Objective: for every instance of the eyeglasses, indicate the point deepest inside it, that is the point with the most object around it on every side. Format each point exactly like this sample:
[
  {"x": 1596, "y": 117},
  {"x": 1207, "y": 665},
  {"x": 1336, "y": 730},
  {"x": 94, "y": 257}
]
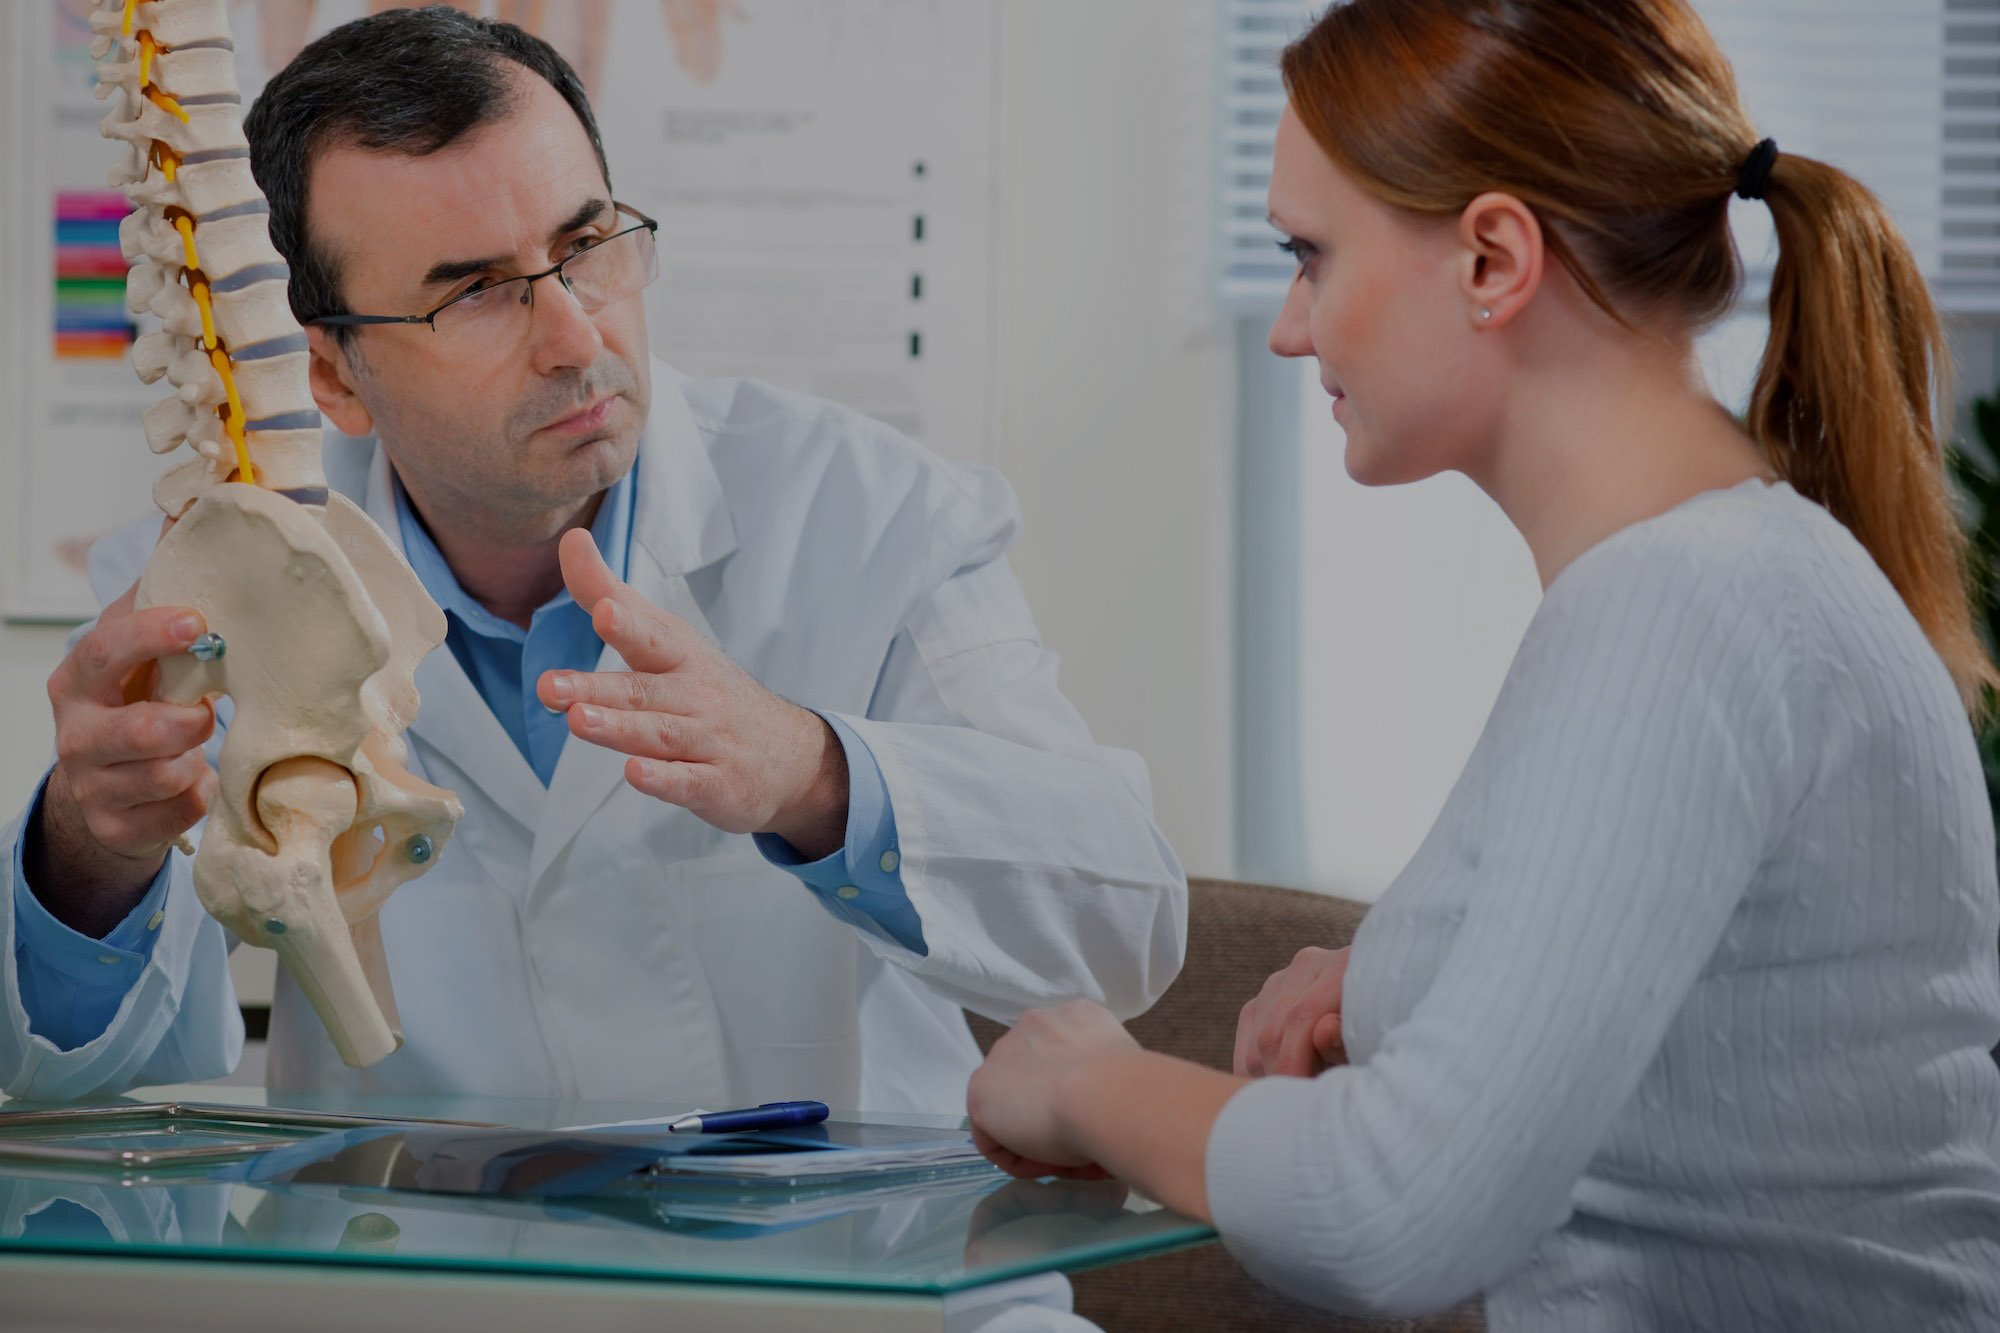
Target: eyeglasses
[{"x": 496, "y": 316}]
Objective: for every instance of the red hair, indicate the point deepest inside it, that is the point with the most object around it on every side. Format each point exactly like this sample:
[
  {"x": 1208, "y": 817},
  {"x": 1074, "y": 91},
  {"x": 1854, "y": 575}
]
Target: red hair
[{"x": 1618, "y": 123}]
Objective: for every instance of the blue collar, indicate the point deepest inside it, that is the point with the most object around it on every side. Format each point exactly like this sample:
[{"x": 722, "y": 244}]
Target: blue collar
[{"x": 612, "y": 531}]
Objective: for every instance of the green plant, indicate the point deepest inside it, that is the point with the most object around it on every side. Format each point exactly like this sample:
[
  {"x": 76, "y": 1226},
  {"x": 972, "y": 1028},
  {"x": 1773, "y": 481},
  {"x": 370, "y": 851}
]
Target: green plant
[{"x": 1977, "y": 472}]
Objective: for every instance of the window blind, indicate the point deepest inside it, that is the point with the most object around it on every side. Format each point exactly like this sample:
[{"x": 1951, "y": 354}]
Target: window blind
[
  {"x": 1968, "y": 280},
  {"x": 1854, "y": 83},
  {"x": 1252, "y": 272},
  {"x": 1902, "y": 94}
]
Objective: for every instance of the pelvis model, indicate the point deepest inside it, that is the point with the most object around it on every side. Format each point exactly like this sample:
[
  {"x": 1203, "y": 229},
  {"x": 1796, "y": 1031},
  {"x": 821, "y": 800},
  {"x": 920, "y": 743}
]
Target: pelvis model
[{"x": 315, "y": 622}]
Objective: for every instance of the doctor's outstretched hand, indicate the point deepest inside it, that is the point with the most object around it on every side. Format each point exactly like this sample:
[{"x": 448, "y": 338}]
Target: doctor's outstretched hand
[{"x": 702, "y": 733}]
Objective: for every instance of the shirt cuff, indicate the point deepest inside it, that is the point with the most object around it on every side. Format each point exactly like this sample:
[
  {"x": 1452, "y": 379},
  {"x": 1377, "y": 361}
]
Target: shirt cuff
[
  {"x": 70, "y": 984},
  {"x": 862, "y": 883}
]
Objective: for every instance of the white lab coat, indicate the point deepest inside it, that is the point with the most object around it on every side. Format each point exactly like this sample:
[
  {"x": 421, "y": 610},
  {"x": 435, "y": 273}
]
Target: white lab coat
[{"x": 586, "y": 940}]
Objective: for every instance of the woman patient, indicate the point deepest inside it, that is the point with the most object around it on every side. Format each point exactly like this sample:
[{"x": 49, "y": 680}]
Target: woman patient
[{"x": 1680, "y": 1016}]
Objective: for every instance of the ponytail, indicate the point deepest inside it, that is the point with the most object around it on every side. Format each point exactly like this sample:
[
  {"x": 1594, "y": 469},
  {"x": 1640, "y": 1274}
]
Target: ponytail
[
  {"x": 1618, "y": 122},
  {"x": 1843, "y": 405}
]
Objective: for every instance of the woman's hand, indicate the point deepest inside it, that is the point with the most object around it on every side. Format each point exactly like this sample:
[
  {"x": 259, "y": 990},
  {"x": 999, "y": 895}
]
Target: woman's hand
[
  {"x": 1292, "y": 1027},
  {"x": 1015, "y": 1097}
]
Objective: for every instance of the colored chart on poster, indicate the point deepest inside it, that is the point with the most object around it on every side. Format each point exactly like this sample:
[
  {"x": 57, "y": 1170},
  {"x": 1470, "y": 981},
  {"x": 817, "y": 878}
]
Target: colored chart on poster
[{"x": 90, "y": 275}]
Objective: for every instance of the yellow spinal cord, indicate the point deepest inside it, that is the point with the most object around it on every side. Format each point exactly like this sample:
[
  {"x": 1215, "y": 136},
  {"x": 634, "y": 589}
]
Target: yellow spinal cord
[
  {"x": 202, "y": 257},
  {"x": 231, "y": 410}
]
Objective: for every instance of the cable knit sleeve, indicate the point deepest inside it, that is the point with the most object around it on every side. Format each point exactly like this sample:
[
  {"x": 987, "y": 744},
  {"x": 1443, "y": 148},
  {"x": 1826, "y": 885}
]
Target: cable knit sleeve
[{"x": 1641, "y": 760}]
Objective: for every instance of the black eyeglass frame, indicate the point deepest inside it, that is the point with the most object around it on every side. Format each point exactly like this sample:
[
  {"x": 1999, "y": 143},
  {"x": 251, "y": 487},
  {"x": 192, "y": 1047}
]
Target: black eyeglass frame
[{"x": 528, "y": 280}]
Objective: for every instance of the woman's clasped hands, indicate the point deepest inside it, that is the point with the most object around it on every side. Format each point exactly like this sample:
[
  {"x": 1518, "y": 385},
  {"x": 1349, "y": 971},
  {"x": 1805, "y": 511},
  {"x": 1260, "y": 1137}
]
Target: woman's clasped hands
[{"x": 1292, "y": 1026}]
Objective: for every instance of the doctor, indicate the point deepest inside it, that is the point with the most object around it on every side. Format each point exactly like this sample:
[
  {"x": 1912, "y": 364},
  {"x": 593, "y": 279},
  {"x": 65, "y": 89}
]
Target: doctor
[{"x": 681, "y": 612}]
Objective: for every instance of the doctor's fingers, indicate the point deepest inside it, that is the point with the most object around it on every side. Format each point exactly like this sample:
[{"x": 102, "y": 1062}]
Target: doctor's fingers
[
  {"x": 647, "y": 691},
  {"x": 648, "y": 638},
  {"x": 699, "y": 789},
  {"x": 91, "y": 735},
  {"x": 96, "y": 668},
  {"x": 584, "y": 572},
  {"x": 642, "y": 733},
  {"x": 142, "y": 829},
  {"x": 142, "y": 783}
]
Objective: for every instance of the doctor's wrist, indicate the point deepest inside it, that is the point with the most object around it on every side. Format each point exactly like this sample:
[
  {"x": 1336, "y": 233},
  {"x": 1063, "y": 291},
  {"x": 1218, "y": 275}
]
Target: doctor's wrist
[
  {"x": 79, "y": 881},
  {"x": 814, "y": 821}
]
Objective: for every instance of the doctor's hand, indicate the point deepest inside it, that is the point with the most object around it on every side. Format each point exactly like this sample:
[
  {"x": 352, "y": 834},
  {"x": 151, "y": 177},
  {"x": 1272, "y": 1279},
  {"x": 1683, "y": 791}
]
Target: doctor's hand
[
  {"x": 1292, "y": 1027},
  {"x": 1015, "y": 1098},
  {"x": 129, "y": 775},
  {"x": 702, "y": 733}
]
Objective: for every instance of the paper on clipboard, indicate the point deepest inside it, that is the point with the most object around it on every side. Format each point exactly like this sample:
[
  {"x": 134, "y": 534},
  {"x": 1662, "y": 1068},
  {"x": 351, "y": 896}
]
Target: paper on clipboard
[{"x": 842, "y": 1148}]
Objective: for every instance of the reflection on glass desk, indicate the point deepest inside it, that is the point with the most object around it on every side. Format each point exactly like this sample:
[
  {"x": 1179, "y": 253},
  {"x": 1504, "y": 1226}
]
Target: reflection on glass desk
[
  {"x": 158, "y": 1136},
  {"x": 934, "y": 1237}
]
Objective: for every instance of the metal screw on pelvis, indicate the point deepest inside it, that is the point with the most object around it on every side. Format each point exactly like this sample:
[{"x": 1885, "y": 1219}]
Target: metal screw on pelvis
[
  {"x": 419, "y": 849},
  {"x": 208, "y": 648}
]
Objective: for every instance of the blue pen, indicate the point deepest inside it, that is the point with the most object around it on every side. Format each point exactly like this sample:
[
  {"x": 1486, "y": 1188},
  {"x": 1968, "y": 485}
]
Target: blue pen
[{"x": 771, "y": 1115}]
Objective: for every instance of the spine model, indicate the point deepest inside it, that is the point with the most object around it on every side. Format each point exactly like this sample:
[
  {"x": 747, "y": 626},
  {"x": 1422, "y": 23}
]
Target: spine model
[
  {"x": 199, "y": 244},
  {"x": 316, "y": 623}
]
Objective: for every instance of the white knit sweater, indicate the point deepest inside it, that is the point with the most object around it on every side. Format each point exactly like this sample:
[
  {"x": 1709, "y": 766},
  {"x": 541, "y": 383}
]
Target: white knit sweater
[{"x": 1680, "y": 1016}]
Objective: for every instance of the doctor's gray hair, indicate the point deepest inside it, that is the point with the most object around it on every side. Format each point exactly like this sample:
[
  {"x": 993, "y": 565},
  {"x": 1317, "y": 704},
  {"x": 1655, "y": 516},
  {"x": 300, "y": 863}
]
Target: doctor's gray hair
[{"x": 410, "y": 81}]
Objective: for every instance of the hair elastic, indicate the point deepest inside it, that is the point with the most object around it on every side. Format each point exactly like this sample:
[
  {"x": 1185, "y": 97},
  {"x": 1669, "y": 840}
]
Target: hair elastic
[{"x": 1755, "y": 177}]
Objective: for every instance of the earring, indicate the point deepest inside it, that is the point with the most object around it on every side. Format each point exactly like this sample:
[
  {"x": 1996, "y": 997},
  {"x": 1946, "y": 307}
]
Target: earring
[{"x": 1485, "y": 312}]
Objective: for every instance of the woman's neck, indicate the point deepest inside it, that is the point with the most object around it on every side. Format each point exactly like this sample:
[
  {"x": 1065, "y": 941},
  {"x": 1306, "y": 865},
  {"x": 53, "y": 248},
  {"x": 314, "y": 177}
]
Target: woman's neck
[{"x": 1610, "y": 435}]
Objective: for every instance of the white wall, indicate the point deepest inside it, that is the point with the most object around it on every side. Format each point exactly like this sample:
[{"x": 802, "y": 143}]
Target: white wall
[
  {"x": 27, "y": 654},
  {"x": 1113, "y": 404},
  {"x": 1115, "y": 388},
  {"x": 1414, "y": 600}
]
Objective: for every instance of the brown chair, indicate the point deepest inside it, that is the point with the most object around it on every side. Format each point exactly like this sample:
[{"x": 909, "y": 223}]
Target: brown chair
[{"x": 1238, "y": 934}]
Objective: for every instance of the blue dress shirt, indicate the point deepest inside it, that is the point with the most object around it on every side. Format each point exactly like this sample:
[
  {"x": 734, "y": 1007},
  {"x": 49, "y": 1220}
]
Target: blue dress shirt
[
  {"x": 504, "y": 661},
  {"x": 71, "y": 985}
]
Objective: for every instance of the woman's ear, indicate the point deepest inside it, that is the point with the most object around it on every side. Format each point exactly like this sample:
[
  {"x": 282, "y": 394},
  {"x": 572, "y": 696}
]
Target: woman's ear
[
  {"x": 1503, "y": 254},
  {"x": 332, "y": 376}
]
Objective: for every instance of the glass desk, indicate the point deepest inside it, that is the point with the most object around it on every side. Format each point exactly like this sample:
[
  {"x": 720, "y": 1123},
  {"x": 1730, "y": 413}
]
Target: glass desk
[{"x": 98, "y": 1247}]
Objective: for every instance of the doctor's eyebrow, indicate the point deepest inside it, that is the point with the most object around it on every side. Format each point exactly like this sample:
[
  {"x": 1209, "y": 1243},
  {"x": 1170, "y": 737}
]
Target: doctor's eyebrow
[
  {"x": 451, "y": 270},
  {"x": 588, "y": 212}
]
